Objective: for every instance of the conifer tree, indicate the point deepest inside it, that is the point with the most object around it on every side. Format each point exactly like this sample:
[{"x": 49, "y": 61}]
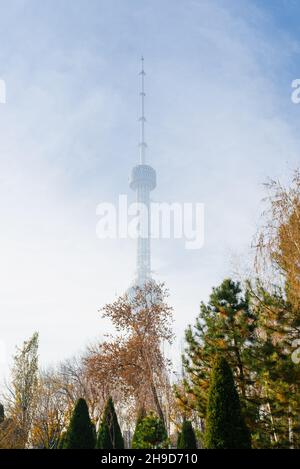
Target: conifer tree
[
  {"x": 150, "y": 433},
  {"x": 187, "y": 438},
  {"x": 109, "y": 435},
  {"x": 80, "y": 433},
  {"x": 225, "y": 425},
  {"x": 226, "y": 325},
  {"x": 278, "y": 374}
]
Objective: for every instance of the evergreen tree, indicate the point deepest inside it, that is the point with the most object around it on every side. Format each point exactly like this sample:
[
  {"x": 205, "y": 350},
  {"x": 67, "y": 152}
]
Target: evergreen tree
[
  {"x": 278, "y": 375},
  {"x": 109, "y": 435},
  {"x": 226, "y": 325},
  {"x": 150, "y": 433},
  {"x": 80, "y": 434},
  {"x": 187, "y": 438},
  {"x": 225, "y": 425}
]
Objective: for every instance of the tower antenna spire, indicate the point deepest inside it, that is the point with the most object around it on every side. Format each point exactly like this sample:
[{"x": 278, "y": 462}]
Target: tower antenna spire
[
  {"x": 142, "y": 118},
  {"x": 143, "y": 181}
]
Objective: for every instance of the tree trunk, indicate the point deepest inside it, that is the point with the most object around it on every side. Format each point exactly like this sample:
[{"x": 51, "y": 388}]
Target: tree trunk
[{"x": 157, "y": 403}]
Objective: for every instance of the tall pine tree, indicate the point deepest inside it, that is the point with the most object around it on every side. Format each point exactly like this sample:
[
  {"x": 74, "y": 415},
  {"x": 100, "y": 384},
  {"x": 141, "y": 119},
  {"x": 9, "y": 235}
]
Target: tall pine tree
[
  {"x": 109, "y": 435},
  {"x": 226, "y": 325},
  {"x": 225, "y": 425},
  {"x": 187, "y": 438},
  {"x": 278, "y": 375},
  {"x": 80, "y": 433}
]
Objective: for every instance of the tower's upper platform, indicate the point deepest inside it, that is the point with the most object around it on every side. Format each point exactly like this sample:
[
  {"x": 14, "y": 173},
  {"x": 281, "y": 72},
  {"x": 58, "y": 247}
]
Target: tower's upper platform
[{"x": 143, "y": 175}]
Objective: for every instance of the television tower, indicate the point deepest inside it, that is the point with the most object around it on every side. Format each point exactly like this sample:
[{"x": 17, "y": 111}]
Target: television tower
[{"x": 143, "y": 181}]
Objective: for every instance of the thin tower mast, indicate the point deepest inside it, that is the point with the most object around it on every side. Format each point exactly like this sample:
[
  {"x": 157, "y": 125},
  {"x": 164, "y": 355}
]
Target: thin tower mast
[{"x": 143, "y": 181}]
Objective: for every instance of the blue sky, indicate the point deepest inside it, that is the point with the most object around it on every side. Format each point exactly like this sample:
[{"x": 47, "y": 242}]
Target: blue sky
[{"x": 220, "y": 122}]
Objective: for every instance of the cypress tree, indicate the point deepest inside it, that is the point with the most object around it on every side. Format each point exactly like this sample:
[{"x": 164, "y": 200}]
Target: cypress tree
[
  {"x": 80, "y": 434},
  {"x": 187, "y": 438},
  {"x": 109, "y": 435},
  {"x": 225, "y": 425}
]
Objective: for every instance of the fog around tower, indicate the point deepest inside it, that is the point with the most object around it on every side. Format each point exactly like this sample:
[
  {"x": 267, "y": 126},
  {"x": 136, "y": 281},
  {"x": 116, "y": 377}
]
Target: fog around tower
[{"x": 220, "y": 121}]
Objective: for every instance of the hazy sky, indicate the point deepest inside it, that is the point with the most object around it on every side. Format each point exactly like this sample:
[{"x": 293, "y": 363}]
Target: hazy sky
[{"x": 220, "y": 122}]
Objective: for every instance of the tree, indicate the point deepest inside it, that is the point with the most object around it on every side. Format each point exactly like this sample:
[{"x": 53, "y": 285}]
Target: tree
[
  {"x": 52, "y": 412},
  {"x": 150, "y": 433},
  {"x": 133, "y": 361},
  {"x": 73, "y": 383},
  {"x": 80, "y": 433},
  {"x": 278, "y": 240},
  {"x": 226, "y": 325},
  {"x": 62, "y": 441},
  {"x": 276, "y": 296},
  {"x": 187, "y": 438},
  {"x": 22, "y": 393},
  {"x": 141, "y": 414},
  {"x": 58, "y": 390},
  {"x": 109, "y": 435},
  {"x": 225, "y": 425},
  {"x": 11, "y": 436}
]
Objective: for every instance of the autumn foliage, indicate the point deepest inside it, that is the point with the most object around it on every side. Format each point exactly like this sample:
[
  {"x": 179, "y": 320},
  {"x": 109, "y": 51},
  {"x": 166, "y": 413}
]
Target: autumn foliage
[{"x": 132, "y": 360}]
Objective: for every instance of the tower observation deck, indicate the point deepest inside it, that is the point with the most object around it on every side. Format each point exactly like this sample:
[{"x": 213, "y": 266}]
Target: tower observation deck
[{"x": 143, "y": 181}]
